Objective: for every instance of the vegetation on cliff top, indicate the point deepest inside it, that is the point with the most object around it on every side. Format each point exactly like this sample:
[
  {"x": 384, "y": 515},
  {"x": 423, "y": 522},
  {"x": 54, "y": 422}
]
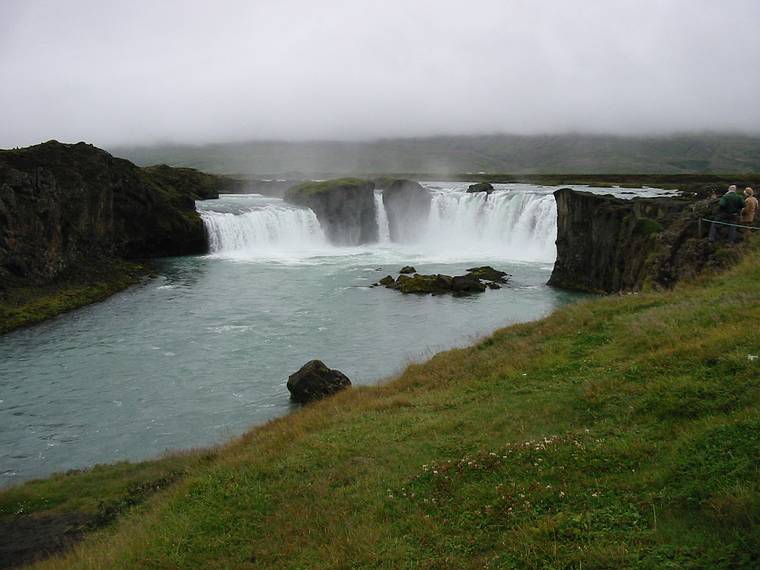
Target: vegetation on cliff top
[
  {"x": 615, "y": 433},
  {"x": 308, "y": 189},
  {"x": 190, "y": 182}
]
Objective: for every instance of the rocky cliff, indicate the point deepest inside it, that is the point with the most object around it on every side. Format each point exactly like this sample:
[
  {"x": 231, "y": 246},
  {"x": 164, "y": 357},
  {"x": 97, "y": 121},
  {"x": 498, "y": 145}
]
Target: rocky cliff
[
  {"x": 62, "y": 205},
  {"x": 345, "y": 208},
  {"x": 407, "y": 204},
  {"x": 606, "y": 244}
]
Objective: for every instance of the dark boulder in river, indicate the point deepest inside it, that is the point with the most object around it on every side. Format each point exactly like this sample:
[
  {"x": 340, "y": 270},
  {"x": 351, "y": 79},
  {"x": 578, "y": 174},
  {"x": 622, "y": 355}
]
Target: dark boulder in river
[
  {"x": 480, "y": 187},
  {"x": 465, "y": 284},
  {"x": 407, "y": 269},
  {"x": 345, "y": 208},
  {"x": 314, "y": 381},
  {"x": 407, "y": 204}
]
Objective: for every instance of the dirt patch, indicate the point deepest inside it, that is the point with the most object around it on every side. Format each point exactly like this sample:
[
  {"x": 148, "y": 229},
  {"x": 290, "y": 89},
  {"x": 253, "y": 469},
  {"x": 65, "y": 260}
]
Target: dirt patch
[{"x": 26, "y": 539}]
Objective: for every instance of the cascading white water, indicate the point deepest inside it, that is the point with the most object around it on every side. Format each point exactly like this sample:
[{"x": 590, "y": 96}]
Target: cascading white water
[
  {"x": 383, "y": 229},
  {"x": 509, "y": 224},
  {"x": 267, "y": 230},
  {"x": 513, "y": 225}
]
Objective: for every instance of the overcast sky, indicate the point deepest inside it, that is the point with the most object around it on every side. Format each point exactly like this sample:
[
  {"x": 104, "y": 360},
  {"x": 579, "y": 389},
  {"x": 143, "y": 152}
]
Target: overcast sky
[{"x": 146, "y": 71}]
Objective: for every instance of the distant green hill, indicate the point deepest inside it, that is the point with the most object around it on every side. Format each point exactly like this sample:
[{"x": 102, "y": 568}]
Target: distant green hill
[{"x": 708, "y": 153}]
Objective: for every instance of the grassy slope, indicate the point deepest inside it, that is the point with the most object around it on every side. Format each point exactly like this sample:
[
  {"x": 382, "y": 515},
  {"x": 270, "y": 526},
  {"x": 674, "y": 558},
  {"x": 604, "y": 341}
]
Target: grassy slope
[
  {"x": 620, "y": 432},
  {"x": 25, "y": 304}
]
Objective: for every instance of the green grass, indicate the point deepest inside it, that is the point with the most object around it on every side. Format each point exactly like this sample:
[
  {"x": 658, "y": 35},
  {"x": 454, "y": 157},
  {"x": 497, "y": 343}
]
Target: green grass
[
  {"x": 616, "y": 433},
  {"x": 99, "y": 490},
  {"x": 25, "y": 304}
]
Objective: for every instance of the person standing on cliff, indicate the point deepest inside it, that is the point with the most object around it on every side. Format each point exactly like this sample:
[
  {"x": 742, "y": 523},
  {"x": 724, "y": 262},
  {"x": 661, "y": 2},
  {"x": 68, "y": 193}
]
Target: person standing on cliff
[
  {"x": 731, "y": 203},
  {"x": 748, "y": 213}
]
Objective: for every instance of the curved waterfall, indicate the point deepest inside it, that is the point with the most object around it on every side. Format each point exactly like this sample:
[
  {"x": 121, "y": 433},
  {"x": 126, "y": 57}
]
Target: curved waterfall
[
  {"x": 267, "y": 229},
  {"x": 511, "y": 224},
  {"x": 515, "y": 225}
]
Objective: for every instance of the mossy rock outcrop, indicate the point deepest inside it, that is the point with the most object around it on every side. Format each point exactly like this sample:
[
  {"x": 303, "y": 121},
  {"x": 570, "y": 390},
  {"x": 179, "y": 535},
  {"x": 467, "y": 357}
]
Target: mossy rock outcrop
[
  {"x": 194, "y": 183},
  {"x": 488, "y": 273},
  {"x": 345, "y": 208},
  {"x": 437, "y": 284},
  {"x": 407, "y": 205},
  {"x": 423, "y": 284}
]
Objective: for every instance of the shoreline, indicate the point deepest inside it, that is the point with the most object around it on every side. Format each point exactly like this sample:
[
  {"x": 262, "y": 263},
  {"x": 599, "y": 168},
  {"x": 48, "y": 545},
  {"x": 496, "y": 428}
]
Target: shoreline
[{"x": 25, "y": 305}]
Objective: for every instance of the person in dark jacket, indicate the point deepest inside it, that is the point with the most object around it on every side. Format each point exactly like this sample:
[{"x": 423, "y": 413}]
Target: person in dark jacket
[{"x": 730, "y": 205}]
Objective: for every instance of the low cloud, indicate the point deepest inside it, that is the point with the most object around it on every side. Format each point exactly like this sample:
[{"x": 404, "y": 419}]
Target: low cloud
[{"x": 193, "y": 71}]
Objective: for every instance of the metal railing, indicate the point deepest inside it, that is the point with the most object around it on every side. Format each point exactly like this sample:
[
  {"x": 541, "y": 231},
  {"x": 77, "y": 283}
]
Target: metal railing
[{"x": 718, "y": 222}]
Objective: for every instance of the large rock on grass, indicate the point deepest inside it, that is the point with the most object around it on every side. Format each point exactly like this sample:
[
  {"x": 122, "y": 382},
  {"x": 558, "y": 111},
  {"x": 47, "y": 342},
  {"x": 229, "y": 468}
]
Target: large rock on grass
[{"x": 314, "y": 381}]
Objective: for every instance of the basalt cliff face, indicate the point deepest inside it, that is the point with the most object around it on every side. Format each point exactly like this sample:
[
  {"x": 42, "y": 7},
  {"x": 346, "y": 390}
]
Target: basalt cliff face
[
  {"x": 345, "y": 208},
  {"x": 406, "y": 203},
  {"x": 606, "y": 244},
  {"x": 62, "y": 205}
]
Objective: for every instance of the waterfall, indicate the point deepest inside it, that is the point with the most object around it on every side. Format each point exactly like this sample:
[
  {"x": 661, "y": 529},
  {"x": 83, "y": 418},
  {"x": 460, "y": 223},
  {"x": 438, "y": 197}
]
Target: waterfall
[
  {"x": 515, "y": 225},
  {"x": 383, "y": 229},
  {"x": 267, "y": 230}
]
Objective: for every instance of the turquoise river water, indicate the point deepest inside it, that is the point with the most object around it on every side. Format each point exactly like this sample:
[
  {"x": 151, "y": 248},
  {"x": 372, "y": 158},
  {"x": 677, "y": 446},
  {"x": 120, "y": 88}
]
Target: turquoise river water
[{"x": 202, "y": 352}]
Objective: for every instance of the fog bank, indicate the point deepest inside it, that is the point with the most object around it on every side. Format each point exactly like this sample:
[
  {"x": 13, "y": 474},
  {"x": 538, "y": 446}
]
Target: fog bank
[{"x": 195, "y": 72}]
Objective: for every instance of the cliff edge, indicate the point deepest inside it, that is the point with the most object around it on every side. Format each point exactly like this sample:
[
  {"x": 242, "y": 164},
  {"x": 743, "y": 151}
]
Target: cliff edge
[
  {"x": 606, "y": 244},
  {"x": 63, "y": 205},
  {"x": 345, "y": 208}
]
